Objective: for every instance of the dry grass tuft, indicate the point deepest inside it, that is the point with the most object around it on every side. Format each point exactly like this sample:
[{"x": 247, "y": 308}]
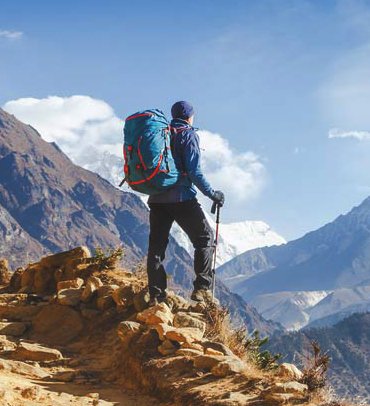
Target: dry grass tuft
[
  {"x": 244, "y": 345},
  {"x": 316, "y": 368}
]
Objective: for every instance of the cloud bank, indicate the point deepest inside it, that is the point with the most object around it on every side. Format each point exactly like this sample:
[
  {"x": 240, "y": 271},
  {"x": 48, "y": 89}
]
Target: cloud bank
[
  {"x": 11, "y": 34},
  {"x": 89, "y": 132},
  {"x": 358, "y": 135}
]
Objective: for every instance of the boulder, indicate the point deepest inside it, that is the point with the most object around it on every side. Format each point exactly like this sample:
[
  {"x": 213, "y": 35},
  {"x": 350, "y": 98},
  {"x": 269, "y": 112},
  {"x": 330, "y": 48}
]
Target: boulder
[
  {"x": 207, "y": 362},
  {"x": 188, "y": 352},
  {"x": 69, "y": 297},
  {"x": 21, "y": 368},
  {"x": 43, "y": 280},
  {"x": 92, "y": 285},
  {"x": 15, "y": 281},
  {"x": 106, "y": 290},
  {"x": 141, "y": 300},
  {"x": 183, "y": 319},
  {"x": 124, "y": 296},
  {"x": 185, "y": 334},
  {"x": 161, "y": 329},
  {"x": 19, "y": 313},
  {"x": 160, "y": 313},
  {"x": 104, "y": 303},
  {"x": 14, "y": 328},
  {"x": 89, "y": 314},
  {"x": 289, "y": 371},
  {"x": 167, "y": 348},
  {"x": 4, "y": 272},
  {"x": 193, "y": 346},
  {"x": 228, "y": 366},
  {"x": 35, "y": 352},
  {"x": 127, "y": 330},
  {"x": 61, "y": 259},
  {"x": 293, "y": 387},
  {"x": 71, "y": 283},
  {"x": 57, "y": 324},
  {"x": 218, "y": 347},
  {"x": 211, "y": 351}
]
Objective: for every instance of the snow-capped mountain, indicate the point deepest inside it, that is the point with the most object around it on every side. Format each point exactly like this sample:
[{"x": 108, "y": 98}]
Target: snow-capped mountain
[
  {"x": 234, "y": 238},
  {"x": 315, "y": 280},
  {"x": 291, "y": 309}
]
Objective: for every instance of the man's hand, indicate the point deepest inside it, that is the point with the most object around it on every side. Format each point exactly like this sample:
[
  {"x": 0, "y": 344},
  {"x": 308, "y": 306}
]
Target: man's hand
[{"x": 219, "y": 198}]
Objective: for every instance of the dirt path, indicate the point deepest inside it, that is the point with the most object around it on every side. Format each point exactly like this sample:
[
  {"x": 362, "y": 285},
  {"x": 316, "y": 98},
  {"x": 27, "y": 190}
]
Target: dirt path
[{"x": 17, "y": 390}]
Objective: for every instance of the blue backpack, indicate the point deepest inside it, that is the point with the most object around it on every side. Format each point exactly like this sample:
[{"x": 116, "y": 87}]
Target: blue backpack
[{"x": 149, "y": 165}]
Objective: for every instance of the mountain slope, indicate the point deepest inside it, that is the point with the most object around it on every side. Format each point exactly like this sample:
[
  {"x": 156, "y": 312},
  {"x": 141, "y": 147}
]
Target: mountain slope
[
  {"x": 336, "y": 255},
  {"x": 347, "y": 343},
  {"x": 48, "y": 204}
]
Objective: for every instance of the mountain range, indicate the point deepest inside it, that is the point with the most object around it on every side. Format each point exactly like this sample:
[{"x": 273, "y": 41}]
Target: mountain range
[
  {"x": 324, "y": 274},
  {"x": 49, "y": 204},
  {"x": 348, "y": 345}
]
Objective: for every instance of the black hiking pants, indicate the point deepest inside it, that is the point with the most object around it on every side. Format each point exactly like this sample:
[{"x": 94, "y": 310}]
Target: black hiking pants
[{"x": 190, "y": 217}]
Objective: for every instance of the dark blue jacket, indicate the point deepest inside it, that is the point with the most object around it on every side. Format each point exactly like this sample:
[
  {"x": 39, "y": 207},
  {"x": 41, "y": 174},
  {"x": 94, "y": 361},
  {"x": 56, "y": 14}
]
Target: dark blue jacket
[{"x": 186, "y": 152}]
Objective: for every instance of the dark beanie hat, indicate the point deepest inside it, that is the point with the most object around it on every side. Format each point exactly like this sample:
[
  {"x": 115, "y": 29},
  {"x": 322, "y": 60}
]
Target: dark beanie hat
[{"x": 182, "y": 109}]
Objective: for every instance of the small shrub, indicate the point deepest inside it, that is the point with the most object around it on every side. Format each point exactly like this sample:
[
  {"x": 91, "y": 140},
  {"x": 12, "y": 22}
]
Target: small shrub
[
  {"x": 316, "y": 368},
  {"x": 107, "y": 259},
  {"x": 264, "y": 359}
]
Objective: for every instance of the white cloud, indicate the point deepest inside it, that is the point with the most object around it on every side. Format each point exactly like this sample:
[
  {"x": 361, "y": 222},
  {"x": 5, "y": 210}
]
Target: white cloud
[
  {"x": 358, "y": 135},
  {"x": 240, "y": 174},
  {"x": 11, "y": 34},
  {"x": 77, "y": 123},
  {"x": 90, "y": 133}
]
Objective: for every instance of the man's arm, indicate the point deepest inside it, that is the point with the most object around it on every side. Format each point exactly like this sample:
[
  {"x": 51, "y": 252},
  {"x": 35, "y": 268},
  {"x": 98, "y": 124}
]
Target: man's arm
[{"x": 192, "y": 165}]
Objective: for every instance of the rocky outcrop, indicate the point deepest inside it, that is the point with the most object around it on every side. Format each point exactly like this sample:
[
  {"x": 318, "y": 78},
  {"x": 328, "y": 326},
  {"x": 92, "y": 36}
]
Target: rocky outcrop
[{"x": 164, "y": 350}]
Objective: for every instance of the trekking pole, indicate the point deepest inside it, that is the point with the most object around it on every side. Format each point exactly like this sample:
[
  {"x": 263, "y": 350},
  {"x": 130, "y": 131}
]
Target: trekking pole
[{"x": 215, "y": 208}]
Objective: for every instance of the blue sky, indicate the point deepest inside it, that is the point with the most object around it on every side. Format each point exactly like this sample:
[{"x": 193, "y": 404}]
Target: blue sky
[{"x": 272, "y": 77}]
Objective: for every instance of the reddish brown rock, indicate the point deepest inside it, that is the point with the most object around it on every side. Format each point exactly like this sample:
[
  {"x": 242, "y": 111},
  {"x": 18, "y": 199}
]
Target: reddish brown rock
[
  {"x": 57, "y": 324},
  {"x": 71, "y": 283},
  {"x": 35, "y": 352}
]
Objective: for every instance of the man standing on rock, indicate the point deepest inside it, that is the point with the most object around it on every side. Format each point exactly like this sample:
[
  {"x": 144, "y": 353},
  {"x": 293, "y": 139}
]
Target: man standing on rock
[{"x": 179, "y": 204}]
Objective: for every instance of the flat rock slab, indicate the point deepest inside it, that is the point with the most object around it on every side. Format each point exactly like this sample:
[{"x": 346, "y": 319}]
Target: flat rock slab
[
  {"x": 15, "y": 329},
  {"x": 21, "y": 368},
  {"x": 57, "y": 324},
  {"x": 207, "y": 362},
  {"x": 19, "y": 313},
  {"x": 35, "y": 352}
]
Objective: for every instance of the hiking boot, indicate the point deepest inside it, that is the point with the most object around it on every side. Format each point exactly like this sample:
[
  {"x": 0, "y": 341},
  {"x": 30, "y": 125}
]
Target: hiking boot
[{"x": 202, "y": 295}]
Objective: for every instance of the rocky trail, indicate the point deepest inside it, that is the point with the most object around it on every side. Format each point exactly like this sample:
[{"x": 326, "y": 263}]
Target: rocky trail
[{"x": 76, "y": 329}]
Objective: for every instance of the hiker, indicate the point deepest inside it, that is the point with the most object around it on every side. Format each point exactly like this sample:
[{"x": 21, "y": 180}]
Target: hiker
[{"x": 179, "y": 204}]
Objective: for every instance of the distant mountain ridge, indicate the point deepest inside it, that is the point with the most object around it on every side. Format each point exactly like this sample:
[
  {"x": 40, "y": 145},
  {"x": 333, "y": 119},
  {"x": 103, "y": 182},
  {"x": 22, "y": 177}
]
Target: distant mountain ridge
[
  {"x": 336, "y": 256},
  {"x": 48, "y": 204},
  {"x": 347, "y": 344}
]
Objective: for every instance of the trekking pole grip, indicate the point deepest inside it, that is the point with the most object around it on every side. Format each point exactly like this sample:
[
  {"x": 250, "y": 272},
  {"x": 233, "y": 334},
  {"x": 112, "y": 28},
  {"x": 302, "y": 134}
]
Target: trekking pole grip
[
  {"x": 214, "y": 206},
  {"x": 218, "y": 214}
]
